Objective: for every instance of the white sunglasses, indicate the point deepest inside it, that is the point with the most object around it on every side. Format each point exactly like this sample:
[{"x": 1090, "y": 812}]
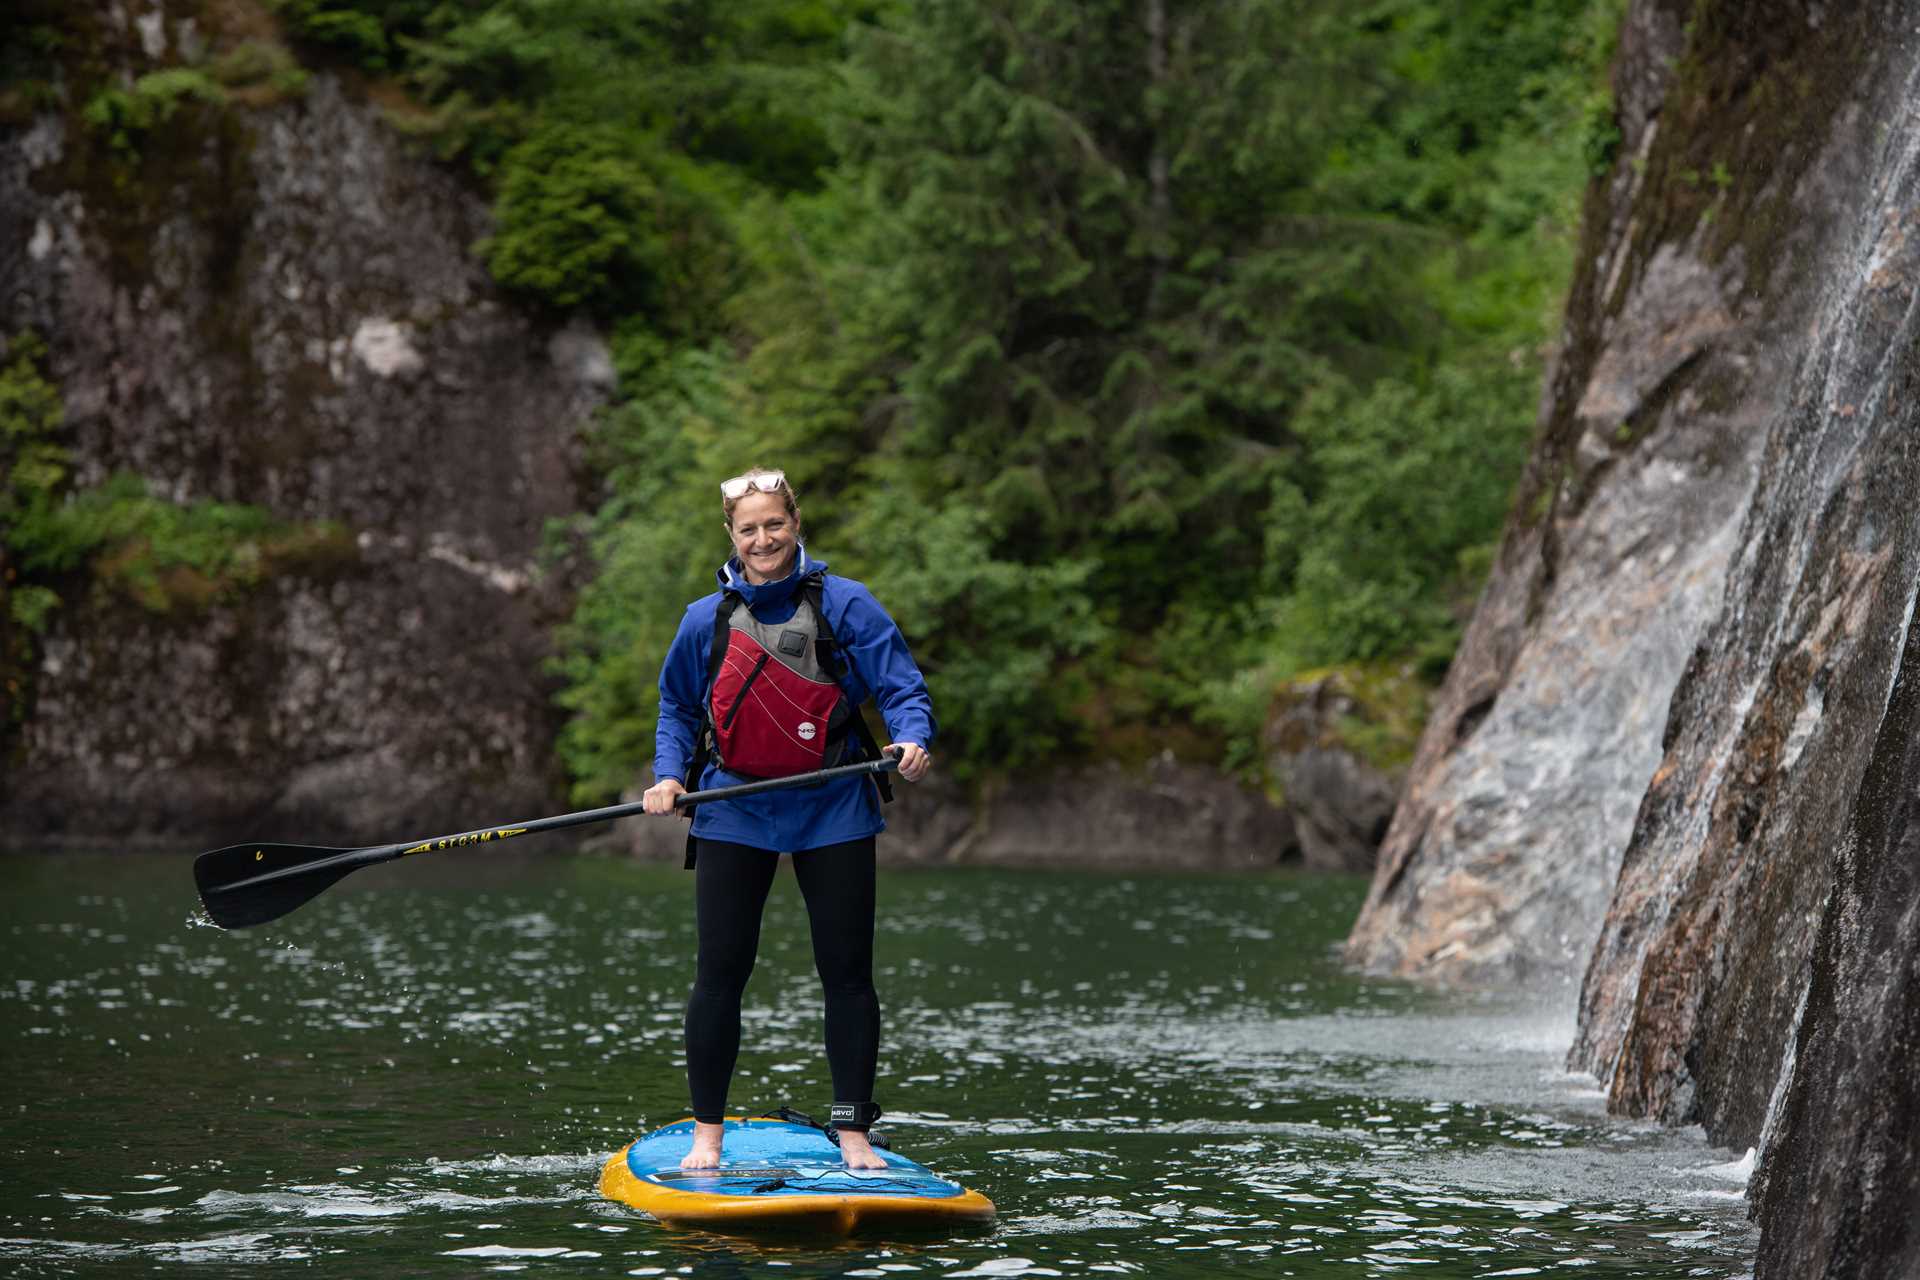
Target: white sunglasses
[{"x": 765, "y": 482}]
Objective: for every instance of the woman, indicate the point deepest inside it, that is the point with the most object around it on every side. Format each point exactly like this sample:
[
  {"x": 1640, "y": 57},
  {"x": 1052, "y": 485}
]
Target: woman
[{"x": 765, "y": 675}]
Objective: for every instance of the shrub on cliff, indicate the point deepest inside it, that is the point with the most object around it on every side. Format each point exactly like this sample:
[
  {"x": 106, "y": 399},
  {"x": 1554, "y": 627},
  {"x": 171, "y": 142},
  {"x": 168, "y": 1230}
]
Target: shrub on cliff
[
  {"x": 591, "y": 218},
  {"x": 117, "y": 536},
  {"x": 352, "y": 29},
  {"x": 127, "y": 116},
  {"x": 167, "y": 555}
]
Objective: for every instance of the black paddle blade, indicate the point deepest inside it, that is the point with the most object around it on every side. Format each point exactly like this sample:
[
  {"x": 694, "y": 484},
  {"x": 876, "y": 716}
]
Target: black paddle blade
[{"x": 222, "y": 876}]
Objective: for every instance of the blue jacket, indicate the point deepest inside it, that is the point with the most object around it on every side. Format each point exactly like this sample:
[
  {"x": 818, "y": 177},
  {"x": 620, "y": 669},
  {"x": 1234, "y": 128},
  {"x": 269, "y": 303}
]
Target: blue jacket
[{"x": 878, "y": 666}]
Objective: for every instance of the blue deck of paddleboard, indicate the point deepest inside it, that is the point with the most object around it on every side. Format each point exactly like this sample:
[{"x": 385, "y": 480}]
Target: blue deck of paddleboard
[{"x": 775, "y": 1158}]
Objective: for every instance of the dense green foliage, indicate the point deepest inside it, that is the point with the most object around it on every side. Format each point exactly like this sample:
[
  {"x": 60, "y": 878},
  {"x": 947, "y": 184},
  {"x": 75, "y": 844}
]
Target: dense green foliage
[
  {"x": 1140, "y": 355},
  {"x": 1134, "y": 376},
  {"x": 1136, "y": 371}
]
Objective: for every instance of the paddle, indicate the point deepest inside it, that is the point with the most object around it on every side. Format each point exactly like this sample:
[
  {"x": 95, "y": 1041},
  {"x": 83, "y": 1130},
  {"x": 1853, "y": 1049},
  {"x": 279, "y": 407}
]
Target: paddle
[{"x": 248, "y": 884}]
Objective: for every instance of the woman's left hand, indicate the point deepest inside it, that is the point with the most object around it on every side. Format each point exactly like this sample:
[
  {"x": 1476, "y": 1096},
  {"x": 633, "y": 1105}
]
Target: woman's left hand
[{"x": 915, "y": 760}]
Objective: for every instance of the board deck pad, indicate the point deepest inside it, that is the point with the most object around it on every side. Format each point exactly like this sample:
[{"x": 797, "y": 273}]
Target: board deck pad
[{"x": 775, "y": 1173}]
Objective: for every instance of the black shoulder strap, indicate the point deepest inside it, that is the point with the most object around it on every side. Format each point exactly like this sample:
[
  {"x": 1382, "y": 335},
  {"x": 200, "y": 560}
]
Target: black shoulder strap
[
  {"x": 722, "y": 633},
  {"x": 703, "y": 740},
  {"x": 827, "y": 646}
]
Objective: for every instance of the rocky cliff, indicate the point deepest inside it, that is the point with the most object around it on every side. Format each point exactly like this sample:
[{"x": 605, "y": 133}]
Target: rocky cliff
[
  {"x": 1507, "y": 841},
  {"x": 1838, "y": 1199},
  {"x": 276, "y": 304},
  {"x": 1677, "y": 750}
]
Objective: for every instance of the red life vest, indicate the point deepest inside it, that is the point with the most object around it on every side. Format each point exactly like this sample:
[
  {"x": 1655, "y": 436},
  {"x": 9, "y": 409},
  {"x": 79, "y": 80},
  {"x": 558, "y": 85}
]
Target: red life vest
[
  {"x": 795, "y": 723},
  {"x": 774, "y": 705}
]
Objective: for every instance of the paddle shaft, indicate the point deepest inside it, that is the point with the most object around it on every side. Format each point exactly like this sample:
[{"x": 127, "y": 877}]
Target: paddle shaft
[{"x": 367, "y": 857}]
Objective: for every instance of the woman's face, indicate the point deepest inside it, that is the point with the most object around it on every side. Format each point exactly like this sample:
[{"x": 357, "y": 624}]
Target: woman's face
[{"x": 764, "y": 537}]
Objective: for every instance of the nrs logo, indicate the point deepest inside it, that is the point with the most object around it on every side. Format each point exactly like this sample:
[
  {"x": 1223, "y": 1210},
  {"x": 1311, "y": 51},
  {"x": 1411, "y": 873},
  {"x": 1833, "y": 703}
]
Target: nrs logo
[{"x": 807, "y": 731}]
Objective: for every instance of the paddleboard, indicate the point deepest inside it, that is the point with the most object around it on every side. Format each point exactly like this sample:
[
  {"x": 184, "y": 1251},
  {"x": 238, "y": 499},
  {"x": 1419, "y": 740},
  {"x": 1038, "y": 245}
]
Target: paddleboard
[{"x": 775, "y": 1174}]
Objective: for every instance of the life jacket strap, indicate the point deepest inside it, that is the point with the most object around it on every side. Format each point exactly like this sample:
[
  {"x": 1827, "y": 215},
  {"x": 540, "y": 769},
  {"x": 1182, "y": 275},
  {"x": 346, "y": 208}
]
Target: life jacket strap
[
  {"x": 827, "y": 645},
  {"x": 703, "y": 740}
]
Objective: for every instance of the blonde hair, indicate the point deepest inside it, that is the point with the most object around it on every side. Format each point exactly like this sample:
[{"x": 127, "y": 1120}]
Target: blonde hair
[{"x": 784, "y": 491}]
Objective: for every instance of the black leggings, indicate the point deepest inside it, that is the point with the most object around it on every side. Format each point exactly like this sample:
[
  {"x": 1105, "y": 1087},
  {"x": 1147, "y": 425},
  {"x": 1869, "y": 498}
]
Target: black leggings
[{"x": 730, "y": 892}]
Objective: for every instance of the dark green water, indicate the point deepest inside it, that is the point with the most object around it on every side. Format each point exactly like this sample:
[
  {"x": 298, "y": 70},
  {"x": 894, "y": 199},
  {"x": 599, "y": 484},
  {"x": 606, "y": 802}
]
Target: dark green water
[{"x": 420, "y": 1073}]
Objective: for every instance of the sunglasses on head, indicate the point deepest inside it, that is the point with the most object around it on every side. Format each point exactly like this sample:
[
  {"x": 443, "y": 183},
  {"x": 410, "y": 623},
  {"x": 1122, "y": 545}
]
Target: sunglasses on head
[{"x": 764, "y": 481}]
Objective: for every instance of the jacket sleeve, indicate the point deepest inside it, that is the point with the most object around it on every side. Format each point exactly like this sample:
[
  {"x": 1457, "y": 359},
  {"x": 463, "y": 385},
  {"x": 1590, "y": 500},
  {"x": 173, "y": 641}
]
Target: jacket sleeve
[
  {"x": 880, "y": 661},
  {"x": 683, "y": 688}
]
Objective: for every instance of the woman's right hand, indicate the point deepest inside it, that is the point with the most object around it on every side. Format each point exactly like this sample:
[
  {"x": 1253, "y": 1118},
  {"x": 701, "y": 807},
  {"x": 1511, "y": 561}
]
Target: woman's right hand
[{"x": 658, "y": 798}]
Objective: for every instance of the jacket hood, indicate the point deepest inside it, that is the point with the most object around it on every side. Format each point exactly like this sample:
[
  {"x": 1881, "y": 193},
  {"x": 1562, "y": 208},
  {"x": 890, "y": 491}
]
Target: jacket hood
[{"x": 733, "y": 577}]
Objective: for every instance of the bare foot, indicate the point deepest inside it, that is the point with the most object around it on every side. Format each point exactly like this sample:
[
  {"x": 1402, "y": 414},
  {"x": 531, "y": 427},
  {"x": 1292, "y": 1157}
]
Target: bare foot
[
  {"x": 857, "y": 1152},
  {"x": 706, "y": 1147}
]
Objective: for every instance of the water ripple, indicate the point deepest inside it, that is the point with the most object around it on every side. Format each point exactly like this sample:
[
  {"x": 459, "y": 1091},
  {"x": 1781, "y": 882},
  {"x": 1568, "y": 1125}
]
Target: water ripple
[{"x": 1150, "y": 1075}]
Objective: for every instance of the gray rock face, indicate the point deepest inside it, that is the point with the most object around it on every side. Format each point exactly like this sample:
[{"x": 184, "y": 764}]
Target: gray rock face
[
  {"x": 1501, "y": 854},
  {"x": 1838, "y": 1200},
  {"x": 1691, "y": 998},
  {"x": 1754, "y": 340},
  {"x": 1339, "y": 804},
  {"x": 284, "y": 310}
]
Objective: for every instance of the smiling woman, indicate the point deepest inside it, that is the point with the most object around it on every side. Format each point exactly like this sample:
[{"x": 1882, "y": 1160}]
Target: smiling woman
[
  {"x": 764, "y": 522},
  {"x": 764, "y": 680}
]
